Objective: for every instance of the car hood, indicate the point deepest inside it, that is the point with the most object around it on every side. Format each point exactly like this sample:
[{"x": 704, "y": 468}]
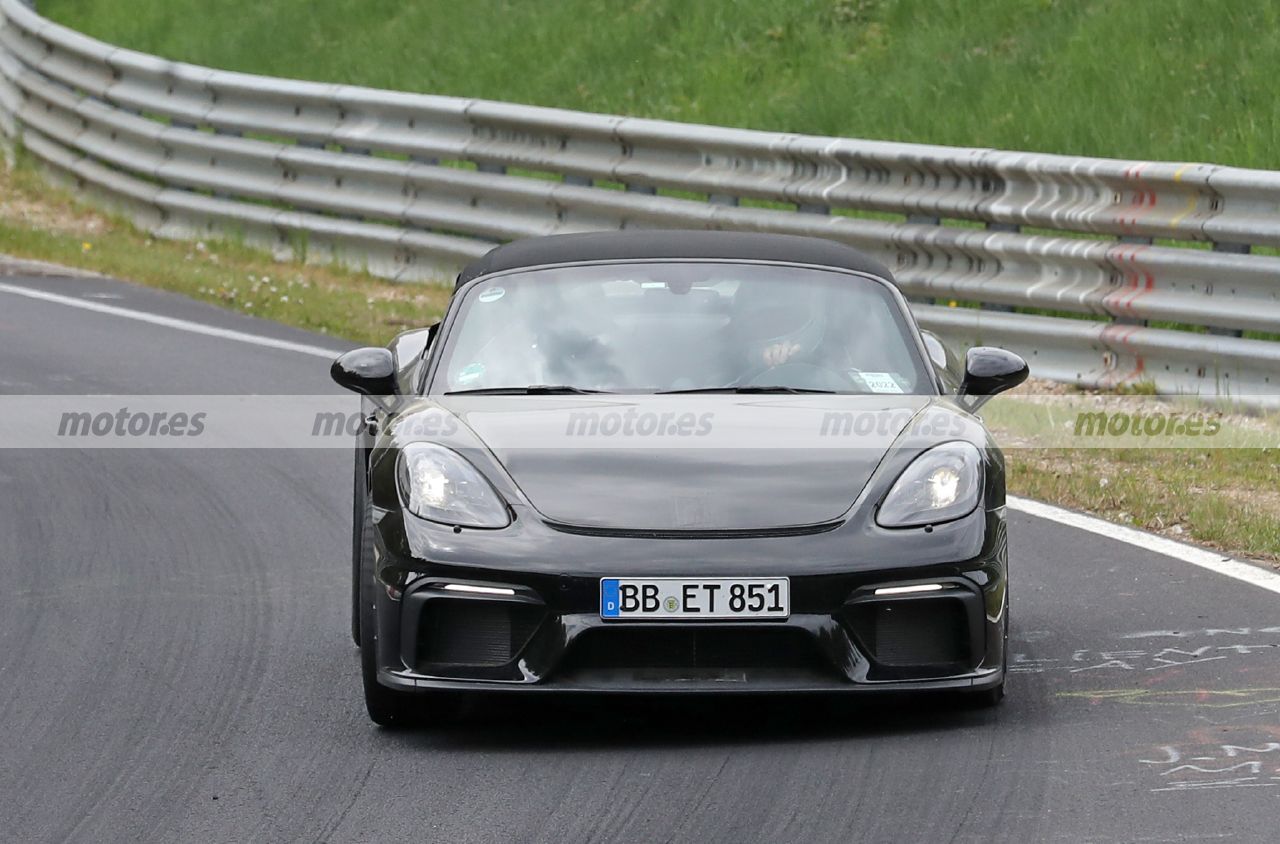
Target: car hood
[{"x": 685, "y": 463}]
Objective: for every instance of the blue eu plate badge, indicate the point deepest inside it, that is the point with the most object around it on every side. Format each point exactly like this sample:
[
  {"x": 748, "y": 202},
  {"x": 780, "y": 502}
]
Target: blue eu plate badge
[{"x": 609, "y": 597}]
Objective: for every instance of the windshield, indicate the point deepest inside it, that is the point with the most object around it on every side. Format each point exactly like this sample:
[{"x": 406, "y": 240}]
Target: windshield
[{"x": 671, "y": 327}]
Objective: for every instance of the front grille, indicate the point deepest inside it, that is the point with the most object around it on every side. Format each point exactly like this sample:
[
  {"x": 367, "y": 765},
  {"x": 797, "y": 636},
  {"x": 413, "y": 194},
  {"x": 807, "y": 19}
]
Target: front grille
[
  {"x": 471, "y": 632},
  {"x": 689, "y": 648},
  {"x": 926, "y": 634}
]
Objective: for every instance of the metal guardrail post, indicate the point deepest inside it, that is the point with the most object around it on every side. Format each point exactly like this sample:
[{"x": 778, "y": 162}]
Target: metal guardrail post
[{"x": 1230, "y": 249}]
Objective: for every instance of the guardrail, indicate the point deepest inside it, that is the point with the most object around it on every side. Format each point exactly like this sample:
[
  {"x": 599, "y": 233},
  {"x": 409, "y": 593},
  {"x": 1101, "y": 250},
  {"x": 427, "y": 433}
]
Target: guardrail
[{"x": 1068, "y": 260}]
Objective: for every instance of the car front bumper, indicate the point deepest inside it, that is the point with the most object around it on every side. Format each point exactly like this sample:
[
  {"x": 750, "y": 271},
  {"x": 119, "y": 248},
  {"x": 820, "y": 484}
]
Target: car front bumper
[{"x": 495, "y": 623}]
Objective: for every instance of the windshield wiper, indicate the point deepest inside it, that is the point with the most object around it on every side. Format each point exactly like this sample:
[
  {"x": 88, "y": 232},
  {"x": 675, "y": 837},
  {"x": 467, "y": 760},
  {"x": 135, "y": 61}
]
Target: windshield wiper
[
  {"x": 530, "y": 390},
  {"x": 750, "y": 388}
]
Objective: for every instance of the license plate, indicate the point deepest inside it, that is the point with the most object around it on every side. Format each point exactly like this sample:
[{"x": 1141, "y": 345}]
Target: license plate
[{"x": 678, "y": 598}]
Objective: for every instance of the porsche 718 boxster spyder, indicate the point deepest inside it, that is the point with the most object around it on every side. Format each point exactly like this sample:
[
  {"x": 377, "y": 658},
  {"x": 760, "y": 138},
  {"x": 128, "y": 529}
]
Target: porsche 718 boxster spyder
[{"x": 657, "y": 462}]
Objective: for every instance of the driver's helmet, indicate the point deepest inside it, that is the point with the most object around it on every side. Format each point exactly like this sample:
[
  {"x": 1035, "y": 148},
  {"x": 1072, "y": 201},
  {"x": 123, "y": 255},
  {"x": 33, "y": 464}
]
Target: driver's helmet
[{"x": 771, "y": 312}]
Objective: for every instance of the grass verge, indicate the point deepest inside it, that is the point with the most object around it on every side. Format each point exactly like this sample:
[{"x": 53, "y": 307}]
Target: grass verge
[
  {"x": 1227, "y": 498},
  {"x": 41, "y": 222}
]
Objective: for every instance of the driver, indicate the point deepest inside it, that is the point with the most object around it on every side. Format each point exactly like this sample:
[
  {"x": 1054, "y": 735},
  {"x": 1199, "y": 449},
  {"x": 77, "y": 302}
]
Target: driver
[{"x": 773, "y": 323}]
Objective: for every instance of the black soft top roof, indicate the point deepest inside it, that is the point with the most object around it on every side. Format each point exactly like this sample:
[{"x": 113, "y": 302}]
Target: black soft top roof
[{"x": 652, "y": 244}]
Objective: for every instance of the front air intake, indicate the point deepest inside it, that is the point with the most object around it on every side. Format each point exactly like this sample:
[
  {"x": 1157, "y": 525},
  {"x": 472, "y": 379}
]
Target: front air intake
[
  {"x": 474, "y": 633},
  {"x": 925, "y": 636}
]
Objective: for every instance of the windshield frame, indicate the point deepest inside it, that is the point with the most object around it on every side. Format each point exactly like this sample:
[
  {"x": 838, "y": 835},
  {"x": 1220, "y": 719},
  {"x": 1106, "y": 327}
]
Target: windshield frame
[{"x": 429, "y": 387}]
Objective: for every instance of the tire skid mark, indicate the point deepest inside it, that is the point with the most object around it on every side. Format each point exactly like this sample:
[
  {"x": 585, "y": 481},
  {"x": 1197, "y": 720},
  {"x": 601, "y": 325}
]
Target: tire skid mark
[
  {"x": 336, "y": 822},
  {"x": 183, "y": 647},
  {"x": 150, "y": 760},
  {"x": 57, "y": 642},
  {"x": 284, "y": 585}
]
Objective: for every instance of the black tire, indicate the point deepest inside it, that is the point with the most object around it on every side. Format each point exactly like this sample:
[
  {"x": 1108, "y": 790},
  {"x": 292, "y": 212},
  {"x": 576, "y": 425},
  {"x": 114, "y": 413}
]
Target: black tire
[
  {"x": 358, "y": 495},
  {"x": 387, "y": 707}
]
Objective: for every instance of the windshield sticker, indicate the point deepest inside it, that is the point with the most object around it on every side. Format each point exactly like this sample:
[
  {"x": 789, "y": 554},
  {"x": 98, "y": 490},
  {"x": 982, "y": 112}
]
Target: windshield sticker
[
  {"x": 493, "y": 294},
  {"x": 880, "y": 382},
  {"x": 471, "y": 372}
]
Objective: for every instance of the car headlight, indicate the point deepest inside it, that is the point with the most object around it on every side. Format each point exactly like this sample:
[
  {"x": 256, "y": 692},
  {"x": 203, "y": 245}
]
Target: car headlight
[
  {"x": 940, "y": 485},
  {"x": 439, "y": 484}
]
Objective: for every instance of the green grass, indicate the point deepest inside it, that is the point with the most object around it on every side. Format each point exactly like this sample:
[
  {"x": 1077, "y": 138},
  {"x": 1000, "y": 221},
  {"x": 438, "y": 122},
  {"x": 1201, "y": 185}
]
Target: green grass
[
  {"x": 44, "y": 223},
  {"x": 1168, "y": 79}
]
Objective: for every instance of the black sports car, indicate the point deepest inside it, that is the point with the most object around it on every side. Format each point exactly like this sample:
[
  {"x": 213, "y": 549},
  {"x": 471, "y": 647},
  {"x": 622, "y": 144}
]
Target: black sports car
[{"x": 676, "y": 462}]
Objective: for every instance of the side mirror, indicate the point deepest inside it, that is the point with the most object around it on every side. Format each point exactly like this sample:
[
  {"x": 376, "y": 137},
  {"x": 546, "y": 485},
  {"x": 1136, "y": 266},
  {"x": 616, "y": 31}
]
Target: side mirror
[
  {"x": 988, "y": 371},
  {"x": 370, "y": 371}
]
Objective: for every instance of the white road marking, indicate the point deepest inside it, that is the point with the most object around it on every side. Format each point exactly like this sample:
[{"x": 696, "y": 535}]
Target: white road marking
[
  {"x": 171, "y": 322},
  {"x": 1211, "y": 560}
]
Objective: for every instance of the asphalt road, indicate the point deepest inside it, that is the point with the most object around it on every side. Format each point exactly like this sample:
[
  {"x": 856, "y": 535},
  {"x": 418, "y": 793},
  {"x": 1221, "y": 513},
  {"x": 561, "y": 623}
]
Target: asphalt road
[{"x": 175, "y": 664}]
